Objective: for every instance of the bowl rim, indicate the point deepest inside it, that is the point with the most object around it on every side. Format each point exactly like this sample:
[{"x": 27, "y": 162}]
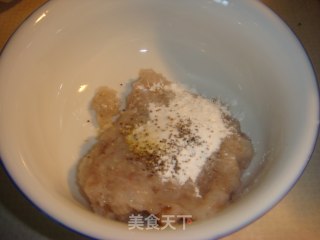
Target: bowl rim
[{"x": 259, "y": 7}]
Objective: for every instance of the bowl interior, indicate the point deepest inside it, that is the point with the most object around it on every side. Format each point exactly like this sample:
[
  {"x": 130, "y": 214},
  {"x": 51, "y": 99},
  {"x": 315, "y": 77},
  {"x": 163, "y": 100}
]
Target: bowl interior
[{"x": 238, "y": 52}]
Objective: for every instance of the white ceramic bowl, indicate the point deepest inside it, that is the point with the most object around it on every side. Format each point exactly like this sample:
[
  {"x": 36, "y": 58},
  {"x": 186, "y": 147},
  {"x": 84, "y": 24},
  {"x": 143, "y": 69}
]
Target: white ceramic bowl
[{"x": 236, "y": 50}]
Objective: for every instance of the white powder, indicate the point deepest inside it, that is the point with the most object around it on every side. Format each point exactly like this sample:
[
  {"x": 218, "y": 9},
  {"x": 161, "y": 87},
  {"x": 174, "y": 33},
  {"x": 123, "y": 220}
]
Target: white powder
[{"x": 186, "y": 132}]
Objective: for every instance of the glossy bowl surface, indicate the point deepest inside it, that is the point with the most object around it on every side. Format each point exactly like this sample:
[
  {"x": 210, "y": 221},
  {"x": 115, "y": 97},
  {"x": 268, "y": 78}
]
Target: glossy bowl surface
[{"x": 238, "y": 51}]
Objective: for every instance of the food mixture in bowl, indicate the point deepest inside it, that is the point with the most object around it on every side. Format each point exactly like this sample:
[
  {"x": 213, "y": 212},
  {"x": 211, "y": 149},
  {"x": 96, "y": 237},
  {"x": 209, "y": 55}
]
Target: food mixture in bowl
[{"x": 168, "y": 152}]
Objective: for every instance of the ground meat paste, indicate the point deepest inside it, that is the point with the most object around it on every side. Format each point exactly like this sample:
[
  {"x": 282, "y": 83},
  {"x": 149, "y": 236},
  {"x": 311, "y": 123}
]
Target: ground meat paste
[{"x": 168, "y": 152}]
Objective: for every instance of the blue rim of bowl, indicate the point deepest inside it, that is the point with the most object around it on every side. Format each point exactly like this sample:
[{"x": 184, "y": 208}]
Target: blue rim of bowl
[{"x": 259, "y": 7}]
